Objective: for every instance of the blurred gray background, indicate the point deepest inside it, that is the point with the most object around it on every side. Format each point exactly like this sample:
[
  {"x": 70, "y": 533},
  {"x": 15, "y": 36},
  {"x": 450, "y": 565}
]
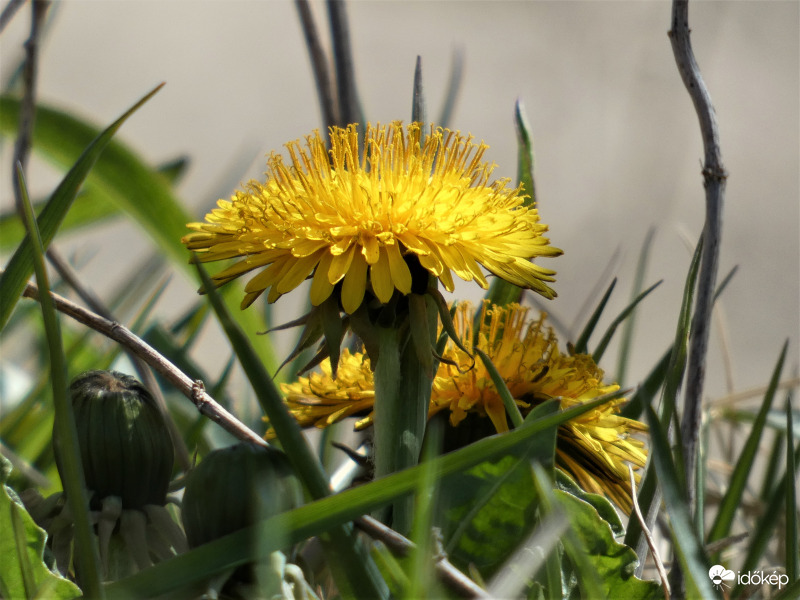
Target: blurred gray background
[{"x": 617, "y": 143}]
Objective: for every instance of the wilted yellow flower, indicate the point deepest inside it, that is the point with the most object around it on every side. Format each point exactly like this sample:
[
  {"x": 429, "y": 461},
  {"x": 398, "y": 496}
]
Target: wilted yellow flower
[
  {"x": 375, "y": 220},
  {"x": 594, "y": 447}
]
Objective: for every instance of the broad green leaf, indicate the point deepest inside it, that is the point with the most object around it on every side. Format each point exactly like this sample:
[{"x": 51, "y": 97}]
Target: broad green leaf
[
  {"x": 614, "y": 562},
  {"x": 744, "y": 465},
  {"x": 503, "y": 493},
  {"x": 23, "y": 571},
  {"x": 20, "y": 268},
  {"x": 488, "y": 510}
]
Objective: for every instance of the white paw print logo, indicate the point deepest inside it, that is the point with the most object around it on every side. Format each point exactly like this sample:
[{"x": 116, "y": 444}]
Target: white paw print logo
[{"x": 719, "y": 574}]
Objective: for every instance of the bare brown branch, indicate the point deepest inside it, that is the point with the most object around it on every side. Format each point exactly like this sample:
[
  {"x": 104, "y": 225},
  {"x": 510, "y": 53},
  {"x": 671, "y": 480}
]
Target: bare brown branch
[
  {"x": 122, "y": 335},
  {"x": 714, "y": 177}
]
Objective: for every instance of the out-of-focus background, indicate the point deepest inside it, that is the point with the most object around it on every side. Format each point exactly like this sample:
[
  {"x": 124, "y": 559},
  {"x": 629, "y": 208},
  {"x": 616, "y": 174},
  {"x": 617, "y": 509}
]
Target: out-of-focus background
[{"x": 618, "y": 149}]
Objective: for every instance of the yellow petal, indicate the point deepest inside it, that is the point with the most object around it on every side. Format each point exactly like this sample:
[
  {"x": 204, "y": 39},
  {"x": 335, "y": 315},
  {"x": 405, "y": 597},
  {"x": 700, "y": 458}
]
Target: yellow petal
[
  {"x": 321, "y": 287},
  {"x": 401, "y": 275},
  {"x": 340, "y": 265},
  {"x": 298, "y": 271},
  {"x": 370, "y": 249},
  {"x": 355, "y": 283},
  {"x": 381, "y": 277}
]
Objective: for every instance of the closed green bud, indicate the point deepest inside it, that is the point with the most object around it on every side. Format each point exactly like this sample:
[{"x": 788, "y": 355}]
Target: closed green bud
[
  {"x": 235, "y": 487},
  {"x": 125, "y": 445}
]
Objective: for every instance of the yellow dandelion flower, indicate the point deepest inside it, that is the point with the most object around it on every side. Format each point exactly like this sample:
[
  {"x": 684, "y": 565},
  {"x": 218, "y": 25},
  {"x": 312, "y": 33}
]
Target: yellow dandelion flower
[
  {"x": 595, "y": 447},
  {"x": 376, "y": 220}
]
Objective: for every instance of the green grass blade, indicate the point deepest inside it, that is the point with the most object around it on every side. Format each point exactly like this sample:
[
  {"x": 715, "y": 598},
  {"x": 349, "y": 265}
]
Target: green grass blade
[
  {"x": 453, "y": 87},
  {"x": 91, "y": 206},
  {"x": 512, "y": 410},
  {"x": 687, "y": 546},
  {"x": 65, "y": 433},
  {"x": 418, "y": 111},
  {"x": 629, "y": 326},
  {"x": 763, "y": 532},
  {"x": 581, "y": 346},
  {"x": 361, "y": 572},
  {"x": 327, "y": 513},
  {"x": 609, "y": 334},
  {"x": 672, "y": 382},
  {"x": 792, "y": 553},
  {"x": 20, "y": 267},
  {"x": 744, "y": 465},
  {"x": 501, "y": 292}
]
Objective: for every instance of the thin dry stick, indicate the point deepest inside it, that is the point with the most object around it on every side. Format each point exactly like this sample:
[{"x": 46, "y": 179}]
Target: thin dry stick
[
  {"x": 714, "y": 176},
  {"x": 207, "y": 406},
  {"x": 402, "y": 546},
  {"x": 662, "y": 572},
  {"x": 9, "y": 11},
  {"x": 191, "y": 389},
  {"x": 27, "y": 109}
]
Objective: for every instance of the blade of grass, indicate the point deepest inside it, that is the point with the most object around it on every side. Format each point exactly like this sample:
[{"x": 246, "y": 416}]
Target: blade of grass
[
  {"x": 792, "y": 561},
  {"x": 512, "y": 410},
  {"x": 453, "y": 87},
  {"x": 649, "y": 493},
  {"x": 90, "y": 207},
  {"x": 638, "y": 283},
  {"x": 421, "y": 575},
  {"x": 418, "y": 112},
  {"x": 763, "y": 532},
  {"x": 20, "y": 267},
  {"x": 501, "y": 291},
  {"x": 687, "y": 547},
  {"x": 65, "y": 431},
  {"x": 581, "y": 346},
  {"x": 606, "y": 339},
  {"x": 361, "y": 572},
  {"x": 744, "y": 465},
  {"x": 325, "y": 514}
]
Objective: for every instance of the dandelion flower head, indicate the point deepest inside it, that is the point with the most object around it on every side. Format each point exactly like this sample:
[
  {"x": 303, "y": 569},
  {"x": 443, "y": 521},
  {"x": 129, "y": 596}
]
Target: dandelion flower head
[
  {"x": 381, "y": 219},
  {"x": 594, "y": 447}
]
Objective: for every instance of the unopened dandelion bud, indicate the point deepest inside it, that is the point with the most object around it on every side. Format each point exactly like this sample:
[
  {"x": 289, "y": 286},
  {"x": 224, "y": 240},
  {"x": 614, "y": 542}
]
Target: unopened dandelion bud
[
  {"x": 125, "y": 445},
  {"x": 235, "y": 487}
]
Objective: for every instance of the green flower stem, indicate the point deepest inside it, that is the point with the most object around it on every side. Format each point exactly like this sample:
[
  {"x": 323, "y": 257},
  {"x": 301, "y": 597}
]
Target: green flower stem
[
  {"x": 66, "y": 432},
  {"x": 402, "y": 397}
]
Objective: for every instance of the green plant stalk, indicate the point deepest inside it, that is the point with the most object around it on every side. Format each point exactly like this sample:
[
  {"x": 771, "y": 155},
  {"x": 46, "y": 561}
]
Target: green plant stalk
[
  {"x": 402, "y": 398},
  {"x": 86, "y": 553},
  {"x": 582, "y": 345},
  {"x": 322, "y": 515},
  {"x": 344, "y": 548}
]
